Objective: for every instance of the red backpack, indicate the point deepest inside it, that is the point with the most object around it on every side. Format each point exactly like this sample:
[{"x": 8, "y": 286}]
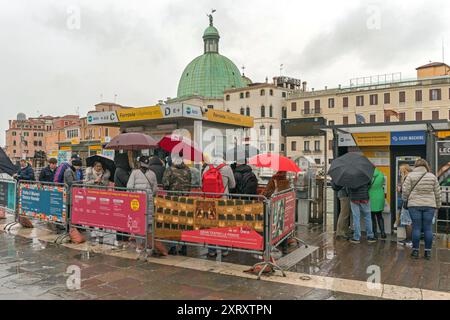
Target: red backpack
[{"x": 213, "y": 182}]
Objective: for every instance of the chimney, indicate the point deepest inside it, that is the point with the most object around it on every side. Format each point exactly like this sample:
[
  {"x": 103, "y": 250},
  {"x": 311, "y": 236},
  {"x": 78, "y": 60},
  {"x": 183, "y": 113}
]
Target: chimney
[{"x": 304, "y": 86}]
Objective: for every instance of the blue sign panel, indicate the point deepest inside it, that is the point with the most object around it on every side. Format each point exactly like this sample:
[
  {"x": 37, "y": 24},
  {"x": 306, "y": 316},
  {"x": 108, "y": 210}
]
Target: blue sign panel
[
  {"x": 408, "y": 138},
  {"x": 8, "y": 195},
  {"x": 43, "y": 202}
]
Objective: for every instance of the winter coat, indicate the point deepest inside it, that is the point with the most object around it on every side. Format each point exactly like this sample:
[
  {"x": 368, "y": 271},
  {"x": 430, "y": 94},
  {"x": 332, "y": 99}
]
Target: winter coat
[
  {"x": 278, "y": 183},
  {"x": 147, "y": 181},
  {"x": 376, "y": 192},
  {"x": 177, "y": 178},
  {"x": 26, "y": 174},
  {"x": 427, "y": 192},
  {"x": 246, "y": 181},
  {"x": 123, "y": 170},
  {"x": 91, "y": 177},
  {"x": 359, "y": 194},
  {"x": 196, "y": 177},
  {"x": 227, "y": 178},
  {"x": 157, "y": 166},
  {"x": 47, "y": 175},
  {"x": 70, "y": 177}
]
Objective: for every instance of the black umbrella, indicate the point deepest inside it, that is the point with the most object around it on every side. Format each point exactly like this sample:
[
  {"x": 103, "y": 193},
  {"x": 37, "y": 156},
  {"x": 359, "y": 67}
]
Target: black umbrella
[
  {"x": 106, "y": 162},
  {"x": 352, "y": 170},
  {"x": 241, "y": 152},
  {"x": 6, "y": 165}
]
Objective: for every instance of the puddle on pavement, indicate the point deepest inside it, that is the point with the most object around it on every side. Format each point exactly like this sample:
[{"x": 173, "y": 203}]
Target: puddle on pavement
[{"x": 84, "y": 256}]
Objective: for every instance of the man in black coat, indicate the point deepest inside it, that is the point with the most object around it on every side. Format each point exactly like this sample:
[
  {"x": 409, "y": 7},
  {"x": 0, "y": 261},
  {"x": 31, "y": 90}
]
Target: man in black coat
[
  {"x": 157, "y": 166},
  {"x": 246, "y": 181},
  {"x": 123, "y": 170},
  {"x": 48, "y": 173},
  {"x": 26, "y": 172}
]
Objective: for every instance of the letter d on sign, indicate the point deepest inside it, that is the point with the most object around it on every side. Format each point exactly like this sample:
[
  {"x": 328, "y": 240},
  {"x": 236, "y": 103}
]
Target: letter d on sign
[{"x": 74, "y": 280}]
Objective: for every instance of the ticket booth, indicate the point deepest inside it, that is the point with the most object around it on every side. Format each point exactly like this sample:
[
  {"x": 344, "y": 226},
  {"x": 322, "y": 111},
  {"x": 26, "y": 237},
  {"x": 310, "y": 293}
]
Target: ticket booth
[{"x": 389, "y": 147}]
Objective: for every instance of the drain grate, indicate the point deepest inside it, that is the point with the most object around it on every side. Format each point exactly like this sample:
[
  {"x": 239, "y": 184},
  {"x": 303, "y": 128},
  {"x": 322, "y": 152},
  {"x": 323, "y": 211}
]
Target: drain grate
[{"x": 289, "y": 261}]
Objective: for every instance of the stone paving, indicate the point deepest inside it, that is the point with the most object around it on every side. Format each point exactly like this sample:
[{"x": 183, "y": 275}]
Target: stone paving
[{"x": 31, "y": 269}]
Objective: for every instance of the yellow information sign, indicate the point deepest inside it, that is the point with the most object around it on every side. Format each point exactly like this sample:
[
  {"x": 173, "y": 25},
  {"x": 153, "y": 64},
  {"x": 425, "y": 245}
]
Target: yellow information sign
[
  {"x": 93, "y": 148},
  {"x": 65, "y": 148},
  {"x": 75, "y": 141},
  {"x": 372, "y": 139},
  {"x": 443, "y": 134},
  {"x": 139, "y": 114},
  {"x": 229, "y": 118}
]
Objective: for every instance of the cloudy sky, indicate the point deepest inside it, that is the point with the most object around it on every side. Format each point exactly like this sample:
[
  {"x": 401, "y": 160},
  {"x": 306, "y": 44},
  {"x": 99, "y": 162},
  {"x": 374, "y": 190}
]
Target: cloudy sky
[{"x": 59, "y": 56}]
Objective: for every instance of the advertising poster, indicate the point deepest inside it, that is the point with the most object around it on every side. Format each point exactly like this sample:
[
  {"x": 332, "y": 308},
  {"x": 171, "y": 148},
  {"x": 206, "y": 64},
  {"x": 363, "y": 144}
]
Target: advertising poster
[
  {"x": 443, "y": 174},
  {"x": 226, "y": 223},
  {"x": 282, "y": 216},
  {"x": 43, "y": 202},
  {"x": 64, "y": 156},
  {"x": 113, "y": 210},
  {"x": 8, "y": 195}
]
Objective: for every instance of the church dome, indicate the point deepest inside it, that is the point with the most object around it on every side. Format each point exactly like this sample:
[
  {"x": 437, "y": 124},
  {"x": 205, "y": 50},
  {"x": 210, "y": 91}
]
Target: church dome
[{"x": 210, "y": 74}]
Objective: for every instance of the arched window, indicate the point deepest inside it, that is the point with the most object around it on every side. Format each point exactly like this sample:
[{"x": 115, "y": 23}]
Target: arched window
[
  {"x": 247, "y": 94},
  {"x": 248, "y": 112},
  {"x": 270, "y": 130},
  {"x": 271, "y": 92},
  {"x": 227, "y": 97},
  {"x": 263, "y": 92},
  {"x": 263, "y": 111},
  {"x": 242, "y": 111},
  {"x": 271, "y": 111},
  {"x": 262, "y": 131},
  {"x": 284, "y": 113}
]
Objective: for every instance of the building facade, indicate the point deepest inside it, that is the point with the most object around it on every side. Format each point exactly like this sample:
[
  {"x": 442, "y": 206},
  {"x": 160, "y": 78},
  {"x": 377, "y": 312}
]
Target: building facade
[{"x": 425, "y": 98}]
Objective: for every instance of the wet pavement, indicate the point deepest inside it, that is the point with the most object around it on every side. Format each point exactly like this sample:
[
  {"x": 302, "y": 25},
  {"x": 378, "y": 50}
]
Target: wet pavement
[{"x": 31, "y": 269}]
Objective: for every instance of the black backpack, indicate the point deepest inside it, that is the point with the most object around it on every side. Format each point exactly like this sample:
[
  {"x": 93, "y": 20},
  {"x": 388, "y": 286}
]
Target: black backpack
[{"x": 248, "y": 185}]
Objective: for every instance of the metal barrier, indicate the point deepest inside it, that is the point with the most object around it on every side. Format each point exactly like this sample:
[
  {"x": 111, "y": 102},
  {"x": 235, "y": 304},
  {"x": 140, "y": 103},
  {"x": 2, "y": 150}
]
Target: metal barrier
[
  {"x": 212, "y": 220},
  {"x": 118, "y": 211}
]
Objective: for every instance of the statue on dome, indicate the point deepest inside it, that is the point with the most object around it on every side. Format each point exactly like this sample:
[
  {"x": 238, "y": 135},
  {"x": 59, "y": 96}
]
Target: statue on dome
[{"x": 211, "y": 18}]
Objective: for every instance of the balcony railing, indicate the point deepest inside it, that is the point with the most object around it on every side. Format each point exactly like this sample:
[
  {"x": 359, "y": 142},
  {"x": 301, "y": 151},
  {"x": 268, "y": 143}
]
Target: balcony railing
[{"x": 312, "y": 112}]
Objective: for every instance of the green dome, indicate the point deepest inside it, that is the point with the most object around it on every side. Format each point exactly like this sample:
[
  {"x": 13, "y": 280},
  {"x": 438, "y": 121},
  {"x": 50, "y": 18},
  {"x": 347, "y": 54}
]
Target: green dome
[{"x": 210, "y": 74}]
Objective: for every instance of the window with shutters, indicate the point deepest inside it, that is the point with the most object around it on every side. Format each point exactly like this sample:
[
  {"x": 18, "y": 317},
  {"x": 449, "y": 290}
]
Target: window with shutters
[
  {"x": 360, "y": 101},
  {"x": 317, "y": 106},
  {"x": 373, "y": 99},
  {"x": 435, "y": 115},
  {"x": 345, "y": 120},
  {"x": 248, "y": 112},
  {"x": 294, "y": 145},
  {"x": 435, "y": 94},
  {"x": 247, "y": 94},
  {"x": 402, "y": 97},
  {"x": 263, "y": 111},
  {"x": 262, "y": 92},
  {"x": 284, "y": 113},
  {"x": 402, "y": 117},
  {"x": 418, "y": 95},
  {"x": 387, "y": 98},
  {"x": 243, "y": 111},
  {"x": 345, "y": 102},
  {"x": 331, "y": 103},
  {"x": 419, "y": 116},
  {"x": 316, "y": 145},
  {"x": 294, "y": 106},
  {"x": 307, "y": 107},
  {"x": 271, "y": 111},
  {"x": 228, "y": 97},
  {"x": 306, "y": 146},
  {"x": 241, "y": 95},
  {"x": 270, "y": 130},
  {"x": 271, "y": 92},
  {"x": 373, "y": 118}
]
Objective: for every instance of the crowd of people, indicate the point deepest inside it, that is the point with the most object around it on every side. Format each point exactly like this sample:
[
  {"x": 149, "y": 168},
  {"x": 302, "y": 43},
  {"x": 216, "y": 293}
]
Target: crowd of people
[
  {"x": 420, "y": 200},
  {"x": 216, "y": 179}
]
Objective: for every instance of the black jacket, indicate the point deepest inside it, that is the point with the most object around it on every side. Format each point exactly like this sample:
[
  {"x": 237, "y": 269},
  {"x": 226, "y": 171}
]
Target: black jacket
[
  {"x": 359, "y": 194},
  {"x": 47, "y": 175},
  {"x": 123, "y": 170},
  {"x": 246, "y": 181},
  {"x": 157, "y": 166},
  {"x": 26, "y": 174}
]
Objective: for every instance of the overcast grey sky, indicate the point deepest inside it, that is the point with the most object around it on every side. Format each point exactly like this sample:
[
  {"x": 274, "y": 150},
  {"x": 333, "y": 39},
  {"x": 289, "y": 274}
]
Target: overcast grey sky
[{"x": 54, "y": 63}]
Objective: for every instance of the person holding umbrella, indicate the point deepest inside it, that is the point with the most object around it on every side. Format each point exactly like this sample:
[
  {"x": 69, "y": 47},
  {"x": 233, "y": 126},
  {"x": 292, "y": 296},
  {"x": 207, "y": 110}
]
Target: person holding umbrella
[
  {"x": 355, "y": 172},
  {"x": 97, "y": 175}
]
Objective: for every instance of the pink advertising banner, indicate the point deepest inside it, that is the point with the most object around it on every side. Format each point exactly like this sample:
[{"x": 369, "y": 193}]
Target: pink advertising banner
[
  {"x": 282, "y": 216},
  {"x": 111, "y": 210}
]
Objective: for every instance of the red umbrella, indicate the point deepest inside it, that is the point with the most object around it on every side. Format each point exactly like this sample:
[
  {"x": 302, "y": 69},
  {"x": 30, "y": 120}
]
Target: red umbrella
[
  {"x": 275, "y": 162},
  {"x": 132, "y": 141},
  {"x": 176, "y": 145}
]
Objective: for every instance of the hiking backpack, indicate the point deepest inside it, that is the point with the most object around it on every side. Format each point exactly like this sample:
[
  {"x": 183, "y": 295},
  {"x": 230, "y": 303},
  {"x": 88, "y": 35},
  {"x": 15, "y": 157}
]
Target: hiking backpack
[{"x": 213, "y": 181}]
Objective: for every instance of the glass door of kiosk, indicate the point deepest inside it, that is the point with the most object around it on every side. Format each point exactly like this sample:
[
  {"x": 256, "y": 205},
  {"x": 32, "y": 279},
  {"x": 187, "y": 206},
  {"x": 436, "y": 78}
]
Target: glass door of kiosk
[{"x": 400, "y": 164}]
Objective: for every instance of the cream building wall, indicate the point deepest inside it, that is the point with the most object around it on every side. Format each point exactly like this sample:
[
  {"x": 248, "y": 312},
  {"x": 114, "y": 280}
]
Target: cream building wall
[{"x": 409, "y": 110}]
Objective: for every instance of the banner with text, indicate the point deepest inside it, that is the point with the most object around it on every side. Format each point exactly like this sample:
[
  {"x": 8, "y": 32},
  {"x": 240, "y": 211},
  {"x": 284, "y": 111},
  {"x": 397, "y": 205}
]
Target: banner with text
[
  {"x": 282, "y": 216},
  {"x": 8, "y": 195},
  {"x": 120, "y": 211},
  {"x": 43, "y": 202}
]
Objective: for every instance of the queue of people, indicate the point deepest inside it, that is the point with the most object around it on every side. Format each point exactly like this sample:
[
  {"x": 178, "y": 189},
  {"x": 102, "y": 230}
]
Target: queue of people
[{"x": 420, "y": 201}]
